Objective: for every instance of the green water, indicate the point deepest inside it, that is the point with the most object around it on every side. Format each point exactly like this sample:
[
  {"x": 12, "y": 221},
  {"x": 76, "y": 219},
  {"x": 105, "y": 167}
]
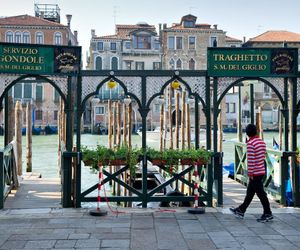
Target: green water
[{"x": 45, "y": 150}]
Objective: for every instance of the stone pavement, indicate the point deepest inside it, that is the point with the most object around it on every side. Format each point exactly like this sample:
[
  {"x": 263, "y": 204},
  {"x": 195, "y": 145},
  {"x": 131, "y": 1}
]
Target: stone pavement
[{"x": 58, "y": 228}]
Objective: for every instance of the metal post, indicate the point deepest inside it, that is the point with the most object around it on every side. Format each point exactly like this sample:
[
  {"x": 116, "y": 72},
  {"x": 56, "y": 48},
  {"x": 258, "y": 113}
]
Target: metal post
[
  {"x": 144, "y": 113},
  {"x": 67, "y": 162},
  {"x": 218, "y": 177},
  {"x": 251, "y": 103},
  {"x": 295, "y": 167},
  {"x": 78, "y": 144},
  {"x": 197, "y": 123},
  {"x": 207, "y": 112},
  {"x": 239, "y": 121},
  {"x": 286, "y": 116},
  {"x": 1, "y": 181},
  {"x": 6, "y": 122}
]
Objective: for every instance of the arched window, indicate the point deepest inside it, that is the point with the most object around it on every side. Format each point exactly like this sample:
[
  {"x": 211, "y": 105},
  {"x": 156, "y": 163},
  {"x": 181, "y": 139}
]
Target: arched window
[
  {"x": 57, "y": 38},
  {"x": 26, "y": 37},
  {"x": 171, "y": 64},
  {"x": 39, "y": 37},
  {"x": 114, "y": 63},
  {"x": 9, "y": 37},
  {"x": 192, "y": 64},
  {"x": 98, "y": 65},
  {"x": 178, "y": 64},
  {"x": 18, "y": 37}
]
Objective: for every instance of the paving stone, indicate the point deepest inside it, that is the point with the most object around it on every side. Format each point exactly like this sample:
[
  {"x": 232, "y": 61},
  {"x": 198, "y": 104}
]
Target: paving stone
[
  {"x": 143, "y": 239},
  {"x": 39, "y": 244},
  {"x": 90, "y": 243},
  {"x": 65, "y": 243},
  {"x": 116, "y": 243},
  {"x": 13, "y": 244},
  {"x": 79, "y": 236},
  {"x": 279, "y": 244},
  {"x": 203, "y": 244}
]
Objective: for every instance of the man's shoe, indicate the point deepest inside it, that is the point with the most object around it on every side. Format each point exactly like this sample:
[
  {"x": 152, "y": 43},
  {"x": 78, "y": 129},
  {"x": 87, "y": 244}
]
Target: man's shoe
[
  {"x": 265, "y": 218},
  {"x": 237, "y": 212}
]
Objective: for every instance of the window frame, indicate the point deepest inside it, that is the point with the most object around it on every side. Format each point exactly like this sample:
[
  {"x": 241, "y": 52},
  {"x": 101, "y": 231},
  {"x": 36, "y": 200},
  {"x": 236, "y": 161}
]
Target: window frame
[
  {"x": 18, "y": 36},
  {"x": 9, "y": 36},
  {"x": 111, "y": 46},
  {"x": 179, "y": 43},
  {"x": 137, "y": 64},
  {"x": 26, "y": 34},
  {"x": 170, "y": 38},
  {"x": 57, "y": 38},
  {"x": 98, "y": 108},
  {"x": 192, "y": 48},
  {"x": 39, "y": 37}
]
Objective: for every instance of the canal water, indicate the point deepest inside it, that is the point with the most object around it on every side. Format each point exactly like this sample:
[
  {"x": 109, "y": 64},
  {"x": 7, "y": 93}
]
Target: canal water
[{"x": 45, "y": 151}]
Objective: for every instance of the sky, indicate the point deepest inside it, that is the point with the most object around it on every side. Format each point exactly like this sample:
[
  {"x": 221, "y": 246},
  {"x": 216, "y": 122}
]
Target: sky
[{"x": 239, "y": 18}]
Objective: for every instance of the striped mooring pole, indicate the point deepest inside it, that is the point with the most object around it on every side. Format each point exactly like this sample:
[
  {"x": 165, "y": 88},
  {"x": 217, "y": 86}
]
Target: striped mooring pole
[
  {"x": 98, "y": 211},
  {"x": 196, "y": 209}
]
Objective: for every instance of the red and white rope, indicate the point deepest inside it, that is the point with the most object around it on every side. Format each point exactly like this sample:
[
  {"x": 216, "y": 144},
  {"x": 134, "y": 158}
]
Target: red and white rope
[
  {"x": 99, "y": 185},
  {"x": 196, "y": 185}
]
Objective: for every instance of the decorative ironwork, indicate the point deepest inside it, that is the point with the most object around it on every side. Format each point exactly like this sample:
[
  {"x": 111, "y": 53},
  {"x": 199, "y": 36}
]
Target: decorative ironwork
[
  {"x": 278, "y": 83},
  {"x": 5, "y": 80},
  {"x": 154, "y": 85},
  {"x": 298, "y": 90},
  {"x": 197, "y": 85},
  {"x": 224, "y": 83},
  {"x": 133, "y": 85},
  {"x": 61, "y": 82},
  {"x": 90, "y": 84}
]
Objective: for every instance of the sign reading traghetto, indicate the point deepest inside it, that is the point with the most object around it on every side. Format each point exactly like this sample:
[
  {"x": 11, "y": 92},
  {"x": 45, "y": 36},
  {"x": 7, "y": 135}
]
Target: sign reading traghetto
[
  {"x": 39, "y": 59},
  {"x": 252, "y": 62}
]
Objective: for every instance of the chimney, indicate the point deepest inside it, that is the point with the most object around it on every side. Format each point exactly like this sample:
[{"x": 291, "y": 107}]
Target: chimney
[
  {"x": 244, "y": 39},
  {"x": 164, "y": 26},
  {"x": 215, "y": 26},
  {"x": 76, "y": 34},
  {"x": 93, "y": 33},
  {"x": 69, "y": 17}
]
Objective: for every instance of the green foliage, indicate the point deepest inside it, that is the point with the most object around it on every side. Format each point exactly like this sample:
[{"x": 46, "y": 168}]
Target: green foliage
[
  {"x": 92, "y": 157},
  {"x": 196, "y": 154}
]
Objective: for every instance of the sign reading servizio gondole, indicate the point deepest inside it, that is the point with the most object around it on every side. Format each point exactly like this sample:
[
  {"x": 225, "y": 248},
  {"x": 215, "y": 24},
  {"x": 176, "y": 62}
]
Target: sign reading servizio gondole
[
  {"x": 252, "y": 62},
  {"x": 39, "y": 59}
]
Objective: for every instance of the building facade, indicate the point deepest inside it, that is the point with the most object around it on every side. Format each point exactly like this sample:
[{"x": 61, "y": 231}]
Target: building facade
[
  {"x": 43, "y": 28},
  {"x": 184, "y": 44},
  {"x": 133, "y": 47}
]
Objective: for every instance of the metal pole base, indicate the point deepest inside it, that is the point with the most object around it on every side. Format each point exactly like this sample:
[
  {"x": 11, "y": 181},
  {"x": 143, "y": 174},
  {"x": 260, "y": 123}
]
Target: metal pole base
[
  {"x": 198, "y": 210},
  {"x": 97, "y": 212}
]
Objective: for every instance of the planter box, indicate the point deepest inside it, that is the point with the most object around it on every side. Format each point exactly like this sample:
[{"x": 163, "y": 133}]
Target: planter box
[
  {"x": 88, "y": 162},
  {"x": 158, "y": 162},
  {"x": 118, "y": 162},
  {"x": 191, "y": 162}
]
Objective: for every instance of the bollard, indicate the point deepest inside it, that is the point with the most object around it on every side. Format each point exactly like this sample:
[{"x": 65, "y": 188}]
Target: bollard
[
  {"x": 98, "y": 211},
  {"x": 196, "y": 209}
]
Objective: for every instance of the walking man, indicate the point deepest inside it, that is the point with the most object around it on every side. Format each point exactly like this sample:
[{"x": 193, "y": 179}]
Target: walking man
[{"x": 256, "y": 153}]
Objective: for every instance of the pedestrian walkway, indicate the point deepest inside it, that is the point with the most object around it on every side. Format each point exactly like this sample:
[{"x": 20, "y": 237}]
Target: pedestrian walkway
[
  {"x": 53, "y": 227},
  {"x": 35, "y": 192},
  {"x": 146, "y": 229}
]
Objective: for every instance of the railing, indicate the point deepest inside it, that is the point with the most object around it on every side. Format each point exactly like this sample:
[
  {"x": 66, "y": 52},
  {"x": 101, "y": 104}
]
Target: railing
[
  {"x": 177, "y": 181},
  {"x": 8, "y": 173},
  {"x": 276, "y": 168}
]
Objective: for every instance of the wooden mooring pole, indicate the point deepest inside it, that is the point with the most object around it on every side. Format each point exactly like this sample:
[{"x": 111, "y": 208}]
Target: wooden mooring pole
[
  {"x": 28, "y": 138},
  {"x": 18, "y": 136}
]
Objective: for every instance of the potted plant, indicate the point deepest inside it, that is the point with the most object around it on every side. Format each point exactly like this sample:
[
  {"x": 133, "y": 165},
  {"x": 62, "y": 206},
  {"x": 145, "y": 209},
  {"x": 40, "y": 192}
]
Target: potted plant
[
  {"x": 119, "y": 156},
  {"x": 92, "y": 157},
  {"x": 89, "y": 157},
  {"x": 192, "y": 156},
  {"x": 156, "y": 156}
]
